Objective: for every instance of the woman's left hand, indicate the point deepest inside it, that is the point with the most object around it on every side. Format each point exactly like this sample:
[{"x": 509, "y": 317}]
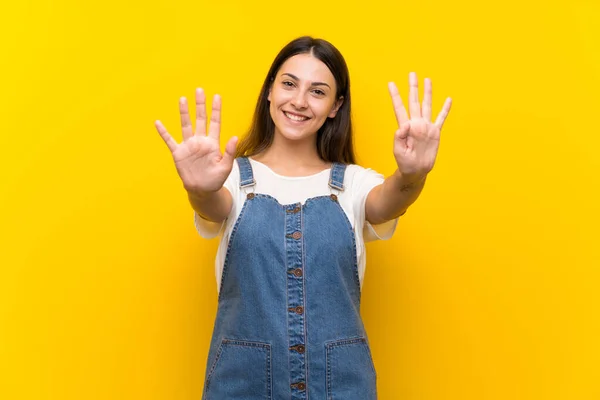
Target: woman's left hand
[{"x": 417, "y": 139}]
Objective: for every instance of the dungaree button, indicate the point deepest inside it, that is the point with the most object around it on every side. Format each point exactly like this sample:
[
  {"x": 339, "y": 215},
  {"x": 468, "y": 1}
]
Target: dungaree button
[
  {"x": 333, "y": 197},
  {"x": 250, "y": 196},
  {"x": 299, "y": 348},
  {"x": 298, "y": 272},
  {"x": 294, "y": 210},
  {"x": 297, "y": 310},
  {"x": 298, "y": 385},
  {"x": 297, "y": 235}
]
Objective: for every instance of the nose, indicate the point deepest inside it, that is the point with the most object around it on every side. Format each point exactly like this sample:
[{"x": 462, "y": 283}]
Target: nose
[{"x": 299, "y": 100}]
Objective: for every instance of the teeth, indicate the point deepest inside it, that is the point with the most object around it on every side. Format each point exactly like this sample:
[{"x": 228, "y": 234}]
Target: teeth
[{"x": 294, "y": 117}]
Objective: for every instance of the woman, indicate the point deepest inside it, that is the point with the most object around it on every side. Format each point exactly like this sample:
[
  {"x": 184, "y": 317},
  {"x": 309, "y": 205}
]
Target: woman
[{"x": 294, "y": 212}]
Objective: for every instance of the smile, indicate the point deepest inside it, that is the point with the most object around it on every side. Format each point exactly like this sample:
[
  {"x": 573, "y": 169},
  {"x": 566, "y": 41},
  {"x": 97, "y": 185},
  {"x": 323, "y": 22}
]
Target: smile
[{"x": 295, "y": 117}]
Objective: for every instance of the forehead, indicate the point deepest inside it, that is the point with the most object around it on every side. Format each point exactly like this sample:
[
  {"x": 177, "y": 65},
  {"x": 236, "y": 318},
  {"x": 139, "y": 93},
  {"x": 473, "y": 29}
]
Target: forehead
[{"x": 307, "y": 68}]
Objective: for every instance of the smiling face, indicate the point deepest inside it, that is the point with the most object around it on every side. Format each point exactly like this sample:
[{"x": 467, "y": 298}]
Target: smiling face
[{"x": 302, "y": 97}]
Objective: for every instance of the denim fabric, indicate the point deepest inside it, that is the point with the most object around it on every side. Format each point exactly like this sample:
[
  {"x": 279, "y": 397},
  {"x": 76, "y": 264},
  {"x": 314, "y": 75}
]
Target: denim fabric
[{"x": 288, "y": 323}]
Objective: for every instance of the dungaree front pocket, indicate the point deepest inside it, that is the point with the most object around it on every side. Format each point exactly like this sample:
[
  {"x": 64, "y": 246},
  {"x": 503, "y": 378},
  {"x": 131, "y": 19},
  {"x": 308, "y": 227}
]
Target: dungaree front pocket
[
  {"x": 350, "y": 370},
  {"x": 241, "y": 370}
]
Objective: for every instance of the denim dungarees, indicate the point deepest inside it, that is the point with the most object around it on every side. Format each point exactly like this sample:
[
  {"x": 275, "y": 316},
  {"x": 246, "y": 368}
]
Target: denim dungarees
[{"x": 288, "y": 323}]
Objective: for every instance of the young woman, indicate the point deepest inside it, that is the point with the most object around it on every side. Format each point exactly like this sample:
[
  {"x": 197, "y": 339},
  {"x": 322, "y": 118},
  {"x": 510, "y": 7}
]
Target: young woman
[{"x": 293, "y": 212}]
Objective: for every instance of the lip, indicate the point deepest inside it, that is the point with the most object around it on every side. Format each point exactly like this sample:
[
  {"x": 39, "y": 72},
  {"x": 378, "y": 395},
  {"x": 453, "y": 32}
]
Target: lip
[{"x": 298, "y": 115}]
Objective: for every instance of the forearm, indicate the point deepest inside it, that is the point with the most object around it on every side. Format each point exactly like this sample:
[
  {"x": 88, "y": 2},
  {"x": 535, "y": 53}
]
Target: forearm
[
  {"x": 213, "y": 206},
  {"x": 391, "y": 199}
]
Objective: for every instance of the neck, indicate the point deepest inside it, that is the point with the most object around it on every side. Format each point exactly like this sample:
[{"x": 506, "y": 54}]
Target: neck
[{"x": 292, "y": 156}]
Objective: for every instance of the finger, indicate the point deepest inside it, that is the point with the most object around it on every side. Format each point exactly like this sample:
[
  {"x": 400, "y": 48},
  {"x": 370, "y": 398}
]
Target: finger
[
  {"x": 399, "y": 110},
  {"x": 444, "y": 113},
  {"x": 413, "y": 96},
  {"x": 186, "y": 124},
  {"x": 427, "y": 100},
  {"x": 214, "y": 131},
  {"x": 401, "y": 136},
  {"x": 200, "y": 112},
  {"x": 171, "y": 143},
  {"x": 229, "y": 155}
]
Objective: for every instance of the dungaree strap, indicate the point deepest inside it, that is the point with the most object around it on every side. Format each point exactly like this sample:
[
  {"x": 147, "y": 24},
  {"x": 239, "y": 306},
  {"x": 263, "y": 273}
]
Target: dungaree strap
[
  {"x": 246, "y": 176},
  {"x": 336, "y": 178}
]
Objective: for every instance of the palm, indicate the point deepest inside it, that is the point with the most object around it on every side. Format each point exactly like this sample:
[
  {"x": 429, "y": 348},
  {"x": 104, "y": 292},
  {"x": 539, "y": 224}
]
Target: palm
[
  {"x": 198, "y": 159},
  {"x": 417, "y": 139}
]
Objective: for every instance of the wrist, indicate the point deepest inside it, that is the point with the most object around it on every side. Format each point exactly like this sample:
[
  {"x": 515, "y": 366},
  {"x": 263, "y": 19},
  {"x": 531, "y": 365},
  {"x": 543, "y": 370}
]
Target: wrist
[
  {"x": 408, "y": 179},
  {"x": 199, "y": 194}
]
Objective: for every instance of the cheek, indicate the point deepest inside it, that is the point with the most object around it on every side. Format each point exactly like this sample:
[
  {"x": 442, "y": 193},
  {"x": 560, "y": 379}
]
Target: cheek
[
  {"x": 322, "y": 109},
  {"x": 274, "y": 108},
  {"x": 280, "y": 97}
]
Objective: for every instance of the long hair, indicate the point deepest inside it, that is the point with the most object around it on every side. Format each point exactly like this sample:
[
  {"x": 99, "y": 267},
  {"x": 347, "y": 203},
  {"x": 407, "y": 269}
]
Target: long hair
[{"x": 334, "y": 138}]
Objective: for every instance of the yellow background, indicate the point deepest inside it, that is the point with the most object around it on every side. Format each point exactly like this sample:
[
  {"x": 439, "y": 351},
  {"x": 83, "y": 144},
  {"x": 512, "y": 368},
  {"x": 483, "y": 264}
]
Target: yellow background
[{"x": 489, "y": 288}]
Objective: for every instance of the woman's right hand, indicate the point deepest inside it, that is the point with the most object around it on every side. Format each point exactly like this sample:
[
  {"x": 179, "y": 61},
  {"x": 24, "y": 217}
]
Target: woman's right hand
[{"x": 198, "y": 159}]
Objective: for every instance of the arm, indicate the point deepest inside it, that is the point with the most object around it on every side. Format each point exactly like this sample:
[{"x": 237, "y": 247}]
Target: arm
[
  {"x": 202, "y": 167},
  {"x": 391, "y": 199},
  {"x": 212, "y": 206},
  {"x": 416, "y": 145}
]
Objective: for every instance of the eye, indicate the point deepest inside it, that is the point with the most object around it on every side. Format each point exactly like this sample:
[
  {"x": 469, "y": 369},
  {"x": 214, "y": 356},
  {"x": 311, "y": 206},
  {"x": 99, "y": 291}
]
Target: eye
[
  {"x": 319, "y": 92},
  {"x": 287, "y": 83}
]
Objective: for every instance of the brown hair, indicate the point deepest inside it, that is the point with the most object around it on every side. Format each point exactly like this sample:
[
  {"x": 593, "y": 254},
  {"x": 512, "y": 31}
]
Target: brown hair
[{"x": 334, "y": 138}]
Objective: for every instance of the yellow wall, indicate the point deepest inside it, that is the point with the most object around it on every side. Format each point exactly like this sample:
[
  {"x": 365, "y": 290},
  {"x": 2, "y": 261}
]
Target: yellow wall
[{"x": 489, "y": 288}]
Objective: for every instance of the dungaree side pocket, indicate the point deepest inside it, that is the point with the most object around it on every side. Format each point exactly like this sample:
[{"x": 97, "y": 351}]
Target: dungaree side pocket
[
  {"x": 350, "y": 370},
  {"x": 240, "y": 370}
]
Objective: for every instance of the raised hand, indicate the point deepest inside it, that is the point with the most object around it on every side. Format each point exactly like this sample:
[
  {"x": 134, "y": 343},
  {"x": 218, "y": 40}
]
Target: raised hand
[
  {"x": 198, "y": 159},
  {"x": 417, "y": 139}
]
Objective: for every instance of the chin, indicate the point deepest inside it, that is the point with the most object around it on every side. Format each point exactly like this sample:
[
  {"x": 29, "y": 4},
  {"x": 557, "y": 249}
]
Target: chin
[{"x": 295, "y": 135}]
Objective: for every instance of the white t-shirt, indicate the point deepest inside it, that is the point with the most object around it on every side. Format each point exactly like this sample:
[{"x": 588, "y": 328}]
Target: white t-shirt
[{"x": 358, "y": 182}]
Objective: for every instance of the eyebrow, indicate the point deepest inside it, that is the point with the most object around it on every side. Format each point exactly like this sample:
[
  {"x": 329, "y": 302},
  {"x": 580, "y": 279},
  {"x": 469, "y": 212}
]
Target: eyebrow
[{"x": 314, "y": 83}]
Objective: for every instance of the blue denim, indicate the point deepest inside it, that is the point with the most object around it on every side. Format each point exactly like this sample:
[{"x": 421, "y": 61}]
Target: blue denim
[{"x": 288, "y": 323}]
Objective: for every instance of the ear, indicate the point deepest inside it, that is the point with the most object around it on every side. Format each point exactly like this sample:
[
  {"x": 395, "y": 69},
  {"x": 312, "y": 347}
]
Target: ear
[{"x": 336, "y": 107}]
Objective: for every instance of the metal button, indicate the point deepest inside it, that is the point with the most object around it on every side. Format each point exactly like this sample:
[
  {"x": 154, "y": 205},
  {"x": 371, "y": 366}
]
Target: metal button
[
  {"x": 297, "y": 310},
  {"x": 299, "y": 348},
  {"x": 298, "y": 385},
  {"x": 333, "y": 197},
  {"x": 296, "y": 272},
  {"x": 250, "y": 196},
  {"x": 297, "y": 235},
  {"x": 293, "y": 210}
]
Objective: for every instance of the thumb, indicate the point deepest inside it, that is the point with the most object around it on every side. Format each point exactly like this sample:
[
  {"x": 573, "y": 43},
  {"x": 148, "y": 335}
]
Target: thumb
[
  {"x": 230, "y": 147},
  {"x": 402, "y": 132}
]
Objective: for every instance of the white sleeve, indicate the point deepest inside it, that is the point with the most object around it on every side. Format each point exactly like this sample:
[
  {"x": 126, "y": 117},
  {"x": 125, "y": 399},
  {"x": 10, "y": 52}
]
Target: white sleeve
[
  {"x": 209, "y": 229},
  {"x": 367, "y": 179}
]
